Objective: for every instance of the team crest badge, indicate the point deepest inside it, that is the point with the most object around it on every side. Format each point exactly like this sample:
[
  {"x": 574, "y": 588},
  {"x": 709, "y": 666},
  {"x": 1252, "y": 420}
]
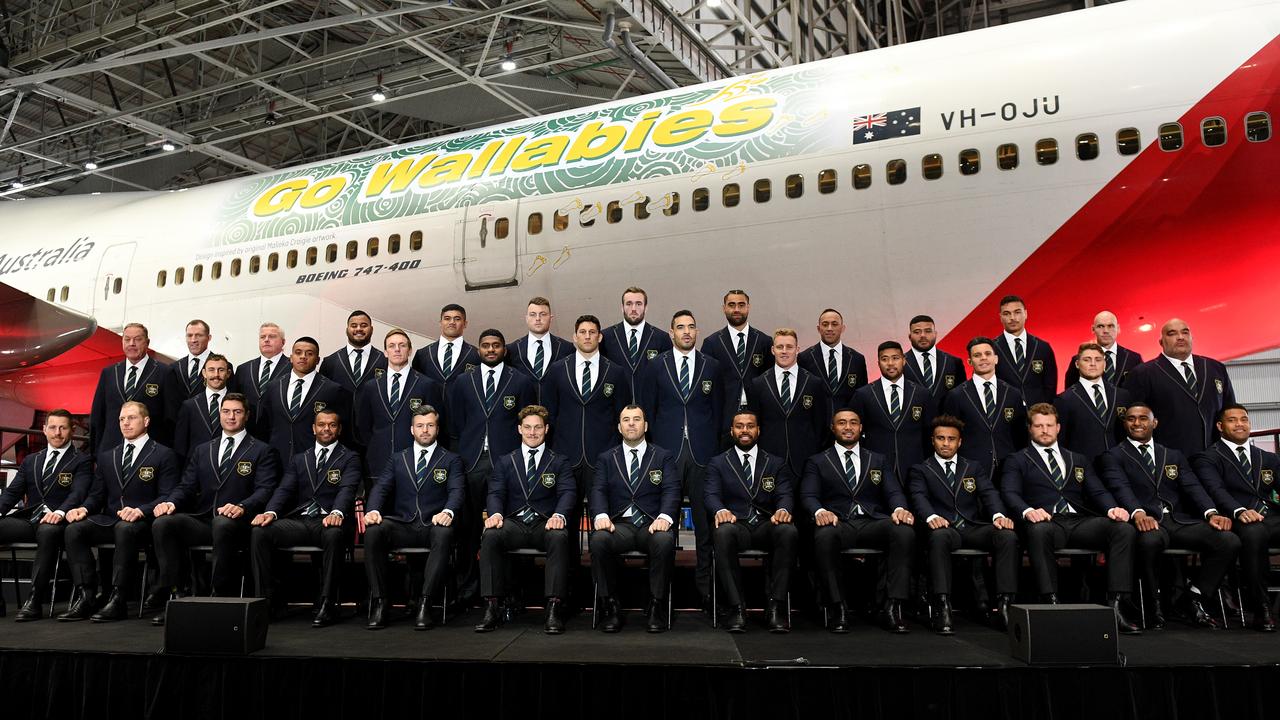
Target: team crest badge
[
  {"x": 153, "y": 390},
  {"x": 1218, "y": 384},
  {"x": 706, "y": 387},
  {"x": 440, "y": 475},
  {"x": 318, "y": 406},
  {"x": 146, "y": 474},
  {"x": 1121, "y": 410},
  {"x": 949, "y": 381},
  {"x": 64, "y": 479},
  {"x": 244, "y": 467},
  {"x": 875, "y": 477},
  {"x": 917, "y": 412},
  {"x": 853, "y": 380},
  {"x": 1008, "y": 414},
  {"x": 415, "y": 403},
  {"x": 1079, "y": 474},
  {"x": 768, "y": 484},
  {"x": 1037, "y": 366},
  {"x": 334, "y": 477},
  {"x": 807, "y": 402},
  {"x": 608, "y": 390},
  {"x": 509, "y": 402},
  {"x": 377, "y": 372},
  {"x": 1171, "y": 472},
  {"x": 655, "y": 477},
  {"x": 651, "y": 354},
  {"x": 757, "y": 360},
  {"x": 468, "y": 367},
  {"x": 1268, "y": 477},
  {"x": 969, "y": 484},
  {"x": 548, "y": 480}
]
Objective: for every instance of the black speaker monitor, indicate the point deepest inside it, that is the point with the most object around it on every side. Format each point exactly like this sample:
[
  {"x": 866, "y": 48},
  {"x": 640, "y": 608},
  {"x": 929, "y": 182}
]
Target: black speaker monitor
[
  {"x": 1063, "y": 634},
  {"x": 216, "y": 625}
]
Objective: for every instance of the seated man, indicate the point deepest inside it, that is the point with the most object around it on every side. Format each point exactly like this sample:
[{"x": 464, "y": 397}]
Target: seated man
[
  {"x": 130, "y": 480},
  {"x": 1169, "y": 508},
  {"x": 634, "y": 500},
  {"x": 856, "y": 501},
  {"x": 227, "y": 482},
  {"x": 750, "y": 493},
  {"x": 48, "y": 485},
  {"x": 313, "y": 505},
  {"x": 1064, "y": 504},
  {"x": 962, "y": 509},
  {"x": 531, "y": 492},
  {"x": 413, "y": 503}
]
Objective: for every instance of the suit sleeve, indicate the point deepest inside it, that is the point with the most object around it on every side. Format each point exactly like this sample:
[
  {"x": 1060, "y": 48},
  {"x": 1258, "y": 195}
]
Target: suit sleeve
[
  {"x": 1207, "y": 471},
  {"x": 1116, "y": 480},
  {"x": 98, "y": 412},
  {"x": 174, "y": 390},
  {"x": 671, "y": 493},
  {"x": 495, "y": 503},
  {"x": 345, "y": 501},
  {"x": 1097, "y": 490},
  {"x": 598, "y": 493},
  {"x": 182, "y": 432},
  {"x": 786, "y": 490},
  {"x": 383, "y": 486},
  {"x": 551, "y": 401},
  {"x": 647, "y": 389},
  {"x": 1011, "y": 485},
  {"x": 188, "y": 487},
  {"x": 1050, "y": 375},
  {"x": 166, "y": 482},
  {"x": 712, "y": 486},
  {"x": 893, "y": 489},
  {"x": 991, "y": 499},
  {"x": 437, "y": 399},
  {"x": 457, "y": 486},
  {"x": 361, "y": 417},
  {"x": 457, "y": 412},
  {"x": 81, "y": 480},
  {"x": 811, "y": 486},
  {"x": 268, "y": 476},
  {"x": 16, "y": 489},
  {"x": 96, "y": 498},
  {"x": 918, "y": 486},
  {"x": 284, "y": 492},
  {"x": 1192, "y": 488},
  {"x": 566, "y": 490}
]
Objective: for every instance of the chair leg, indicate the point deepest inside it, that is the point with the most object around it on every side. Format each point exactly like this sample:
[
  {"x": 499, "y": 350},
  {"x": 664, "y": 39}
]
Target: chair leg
[
  {"x": 595, "y": 603},
  {"x": 142, "y": 591},
  {"x": 53, "y": 583},
  {"x": 1142, "y": 605},
  {"x": 1222, "y": 607},
  {"x": 13, "y": 568},
  {"x": 669, "y": 602},
  {"x": 715, "y": 605}
]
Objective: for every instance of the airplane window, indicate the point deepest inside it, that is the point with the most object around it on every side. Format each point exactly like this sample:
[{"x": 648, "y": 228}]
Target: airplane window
[
  {"x": 1087, "y": 146},
  {"x": 255, "y": 264},
  {"x": 1213, "y": 131},
  {"x": 560, "y": 221},
  {"x": 331, "y": 253},
  {"x": 795, "y": 186},
  {"x": 353, "y": 248},
  {"x": 642, "y": 208},
  {"x": 1257, "y": 127},
  {"x": 613, "y": 213},
  {"x": 215, "y": 270},
  {"x": 235, "y": 268},
  {"x": 197, "y": 273},
  {"x": 51, "y": 294},
  {"x": 1046, "y": 151},
  {"x": 970, "y": 162},
  {"x": 502, "y": 228},
  {"x": 674, "y": 206},
  {"x": 587, "y": 221},
  {"x": 393, "y": 243},
  {"x": 931, "y": 166},
  {"x": 179, "y": 276},
  {"x": 861, "y": 177},
  {"x": 1171, "y": 136},
  {"x": 161, "y": 277},
  {"x": 763, "y": 190},
  {"x": 1007, "y": 156},
  {"x": 534, "y": 225},
  {"x": 273, "y": 262},
  {"x": 415, "y": 240},
  {"x": 827, "y": 182},
  {"x": 291, "y": 260},
  {"x": 312, "y": 255},
  {"x": 370, "y": 248},
  {"x": 117, "y": 286},
  {"x": 66, "y": 291},
  {"x": 896, "y": 172},
  {"x": 701, "y": 199},
  {"x": 730, "y": 195},
  {"x": 1128, "y": 141}
]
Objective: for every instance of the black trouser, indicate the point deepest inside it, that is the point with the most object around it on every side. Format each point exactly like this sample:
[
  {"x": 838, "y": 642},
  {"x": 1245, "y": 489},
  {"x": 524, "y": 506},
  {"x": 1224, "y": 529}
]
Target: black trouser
[
  {"x": 48, "y": 540},
  {"x": 129, "y": 538},
  {"x": 287, "y": 532},
  {"x": 381, "y": 538},
  {"x": 468, "y": 526},
  {"x": 1218, "y": 550},
  {"x": 513, "y": 535},
  {"x": 175, "y": 534},
  {"x": 1255, "y": 538},
  {"x": 607, "y": 546},
  {"x": 584, "y": 475},
  {"x": 898, "y": 542},
  {"x": 732, "y": 538},
  {"x": 693, "y": 481},
  {"x": 1002, "y": 544},
  {"x": 1116, "y": 539}
]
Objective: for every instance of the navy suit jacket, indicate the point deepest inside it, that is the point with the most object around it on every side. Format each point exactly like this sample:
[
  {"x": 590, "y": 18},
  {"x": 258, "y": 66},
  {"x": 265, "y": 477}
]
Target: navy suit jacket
[
  {"x": 62, "y": 489},
  {"x": 1084, "y": 429},
  {"x": 974, "y": 498},
  {"x": 796, "y": 433},
  {"x": 178, "y": 387},
  {"x": 1125, "y": 361},
  {"x": 657, "y": 493},
  {"x": 904, "y": 441},
  {"x": 652, "y": 341},
  {"x": 1231, "y": 487},
  {"x": 397, "y": 495},
  {"x": 427, "y": 362},
  {"x": 517, "y": 355},
  {"x": 853, "y": 372},
  {"x": 671, "y": 418},
  {"x": 332, "y": 487},
  {"x": 989, "y": 439},
  {"x": 948, "y": 374},
  {"x": 473, "y": 421},
  {"x": 1025, "y": 483},
  {"x": 194, "y": 425},
  {"x": 245, "y": 381},
  {"x": 337, "y": 367},
  {"x": 248, "y": 479},
  {"x": 877, "y": 491},
  {"x": 1173, "y": 486},
  {"x": 290, "y": 433},
  {"x": 550, "y": 491},
  {"x": 151, "y": 479},
  {"x": 1187, "y": 419},
  {"x": 770, "y": 488},
  {"x": 759, "y": 359},
  {"x": 384, "y": 430},
  {"x": 1037, "y": 379},
  {"x": 104, "y": 415},
  {"x": 582, "y": 428}
]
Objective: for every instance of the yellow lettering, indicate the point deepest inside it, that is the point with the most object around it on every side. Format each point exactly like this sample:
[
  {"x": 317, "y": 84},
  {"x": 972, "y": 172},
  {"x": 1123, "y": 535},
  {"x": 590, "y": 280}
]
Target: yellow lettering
[
  {"x": 546, "y": 151},
  {"x": 397, "y": 174},
  {"x": 596, "y": 140},
  {"x": 482, "y": 162},
  {"x": 682, "y": 128},
  {"x": 501, "y": 162},
  {"x": 449, "y": 169},
  {"x": 279, "y": 198},
  {"x": 745, "y": 117},
  {"x": 641, "y": 131},
  {"x": 323, "y": 191}
]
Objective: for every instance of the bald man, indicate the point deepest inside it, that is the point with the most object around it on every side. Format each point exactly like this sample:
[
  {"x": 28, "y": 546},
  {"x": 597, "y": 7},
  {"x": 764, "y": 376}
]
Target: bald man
[{"x": 1120, "y": 360}]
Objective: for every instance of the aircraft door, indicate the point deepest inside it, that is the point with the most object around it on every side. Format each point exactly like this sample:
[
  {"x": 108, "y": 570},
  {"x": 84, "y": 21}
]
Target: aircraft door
[
  {"x": 111, "y": 285},
  {"x": 490, "y": 245}
]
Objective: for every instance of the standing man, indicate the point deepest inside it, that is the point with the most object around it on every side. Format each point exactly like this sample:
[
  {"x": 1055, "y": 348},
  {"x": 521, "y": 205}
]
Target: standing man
[
  {"x": 843, "y": 368},
  {"x": 1063, "y": 503},
  {"x": 198, "y": 420},
  {"x": 531, "y": 494},
  {"x": 1092, "y": 409},
  {"x": 1119, "y": 360},
  {"x": 896, "y": 413},
  {"x": 313, "y": 505},
  {"x": 534, "y": 353},
  {"x": 790, "y": 404},
  {"x": 682, "y": 396},
  {"x": 137, "y": 378},
  {"x": 358, "y": 361},
  {"x": 251, "y": 378},
  {"x": 49, "y": 484},
  {"x": 634, "y": 502},
  {"x": 226, "y": 483},
  {"x": 994, "y": 416},
  {"x": 418, "y": 495},
  {"x": 486, "y": 405},
  {"x": 741, "y": 351},
  {"x": 752, "y": 494},
  {"x": 290, "y": 403},
  {"x": 1026, "y": 361},
  {"x": 1187, "y": 391},
  {"x": 129, "y": 481},
  {"x": 929, "y": 367},
  {"x": 449, "y": 356},
  {"x": 183, "y": 379},
  {"x": 385, "y": 405},
  {"x": 634, "y": 343}
]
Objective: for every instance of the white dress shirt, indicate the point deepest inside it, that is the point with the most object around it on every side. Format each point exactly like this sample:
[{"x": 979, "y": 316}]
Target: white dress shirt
[
  {"x": 826, "y": 358},
  {"x": 886, "y": 386},
  {"x": 391, "y": 374},
  {"x": 199, "y": 360},
  {"x": 208, "y": 397},
  {"x": 1062, "y": 464},
  {"x": 431, "y": 451},
  {"x": 443, "y": 344},
  {"x": 307, "y": 381},
  {"x": 1013, "y": 347},
  {"x": 333, "y": 447},
  {"x": 794, "y": 372},
  {"x": 745, "y": 331},
  {"x": 579, "y": 360},
  {"x": 995, "y": 390},
  {"x": 626, "y": 466},
  {"x": 366, "y": 353},
  {"x": 932, "y": 354},
  {"x": 235, "y": 441}
]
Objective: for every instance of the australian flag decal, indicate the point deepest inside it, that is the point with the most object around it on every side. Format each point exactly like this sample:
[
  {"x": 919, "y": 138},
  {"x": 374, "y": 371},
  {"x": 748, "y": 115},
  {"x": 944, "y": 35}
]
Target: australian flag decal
[{"x": 886, "y": 125}]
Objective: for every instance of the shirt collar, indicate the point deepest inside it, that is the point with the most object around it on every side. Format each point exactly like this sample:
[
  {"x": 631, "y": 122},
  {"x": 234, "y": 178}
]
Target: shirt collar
[
  {"x": 496, "y": 368},
  {"x": 208, "y": 394},
  {"x": 942, "y": 462},
  {"x": 419, "y": 447},
  {"x": 583, "y": 358},
  {"x": 1010, "y": 337},
  {"x": 139, "y": 442},
  {"x": 1151, "y": 444},
  {"x": 365, "y": 351},
  {"x": 1232, "y": 446},
  {"x": 1191, "y": 359},
  {"x": 1088, "y": 384},
  {"x": 141, "y": 364},
  {"x": 237, "y": 438},
  {"x": 739, "y": 452},
  {"x": 331, "y": 446},
  {"x": 857, "y": 450},
  {"x": 534, "y": 338},
  {"x": 681, "y": 353},
  {"x": 201, "y": 357},
  {"x": 308, "y": 377},
  {"x": 838, "y": 347},
  {"x": 402, "y": 371},
  {"x": 626, "y": 449},
  {"x": 733, "y": 332},
  {"x": 1114, "y": 349},
  {"x": 638, "y": 327},
  {"x": 886, "y": 382},
  {"x": 524, "y": 449},
  {"x": 1041, "y": 448},
  {"x": 979, "y": 382},
  {"x": 272, "y": 360}
]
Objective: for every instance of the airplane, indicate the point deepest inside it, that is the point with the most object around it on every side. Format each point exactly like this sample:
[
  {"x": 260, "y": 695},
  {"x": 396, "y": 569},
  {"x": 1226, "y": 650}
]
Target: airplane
[{"x": 1118, "y": 158}]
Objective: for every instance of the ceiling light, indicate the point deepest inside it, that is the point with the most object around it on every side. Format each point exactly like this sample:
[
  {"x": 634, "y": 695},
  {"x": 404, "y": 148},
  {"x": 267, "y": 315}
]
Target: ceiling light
[
  {"x": 508, "y": 64},
  {"x": 713, "y": 3},
  {"x": 378, "y": 96},
  {"x": 17, "y": 185},
  {"x": 1144, "y": 327},
  {"x": 91, "y": 165},
  {"x": 168, "y": 146}
]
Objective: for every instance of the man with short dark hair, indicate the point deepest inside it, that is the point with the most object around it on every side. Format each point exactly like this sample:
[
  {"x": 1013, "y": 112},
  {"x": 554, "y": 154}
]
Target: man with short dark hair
[
  {"x": 357, "y": 362},
  {"x": 634, "y": 343},
  {"x": 1026, "y": 361},
  {"x": 741, "y": 352},
  {"x": 843, "y": 369},
  {"x": 290, "y": 403},
  {"x": 385, "y": 405},
  {"x": 198, "y": 420},
  {"x": 535, "y": 352},
  {"x": 251, "y": 378},
  {"x": 1117, "y": 361},
  {"x": 450, "y": 355},
  {"x": 790, "y": 404},
  {"x": 895, "y": 412},
  {"x": 929, "y": 367},
  {"x": 184, "y": 379},
  {"x": 1092, "y": 409},
  {"x": 137, "y": 378},
  {"x": 994, "y": 416}
]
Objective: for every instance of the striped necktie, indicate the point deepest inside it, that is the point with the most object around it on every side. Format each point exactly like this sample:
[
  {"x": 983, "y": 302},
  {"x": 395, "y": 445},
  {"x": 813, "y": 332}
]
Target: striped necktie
[
  {"x": 131, "y": 384},
  {"x": 532, "y": 467},
  {"x": 850, "y": 470},
  {"x": 1243, "y": 457},
  {"x": 226, "y": 454},
  {"x": 685, "y": 387},
  {"x": 741, "y": 351},
  {"x": 539, "y": 358},
  {"x": 127, "y": 460},
  {"x": 927, "y": 370},
  {"x": 951, "y": 475},
  {"x": 833, "y": 369},
  {"x": 1110, "y": 371},
  {"x": 489, "y": 389},
  {"x": 895, "y": 403},
  {"x": 50, "y": 464},
  {"x": 357, "y": 365},
  {"x": 633, "y": 348},
  {"x": 586, "y": 378},
  {"x": 633, "y": 472},
  {"x": 989, "y": 398},
  {"x": 1145, "y": 451},
  {"x": 1099, "y": 401},
  {"x": 213, "y": 408},
  {"x": 447, "y": 366},
  {"x": 322, "y": 458},
  {"x": 1189, "y": 376},
  {"x": 395, "y": 389},
  {"x": 295, "y": 401},
  {"x": 420, "y": 472},
  {"x": 786, "y": 390},
  {"x": 1059, "y": 480},
  {"x": 195, "y": 370},
  {"x": 1018, "y": 357},
  {"x": 265, "y": 376}
]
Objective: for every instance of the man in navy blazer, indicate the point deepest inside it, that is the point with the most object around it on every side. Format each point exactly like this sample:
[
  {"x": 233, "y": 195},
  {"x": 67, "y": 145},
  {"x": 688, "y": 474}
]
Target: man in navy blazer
[
  {"x": 227, "y": 482},
  {"x": 129, "y": 481},
  {"x": 741, "y": 351},
  {"x": 313, "y": 505},
  {"x": 961, "y": 509},
  {"x": 929, "y": 367},
  {"x": 531, "y": 495},
  {"x": 993, "y": 413},
  {"x": 290, "y": 403},
  {"x": 895, "y": 412},
  {"x": 198, "y": 421},
  {"x": 535, "y": 352},
  {"x": 634, "y": 502},
  {"x": 251, "y": 378},
  {"x": 450, "y": 356},
  {"x": 857, "y": 501},
  {"x": 752, "y": 495},
  {"x": 1186, "y": 391},
  {"x": 1169, "y": 508},
  {"x": 1026, "y": 361},
  {"x": 184, "y": 378},
  {"x": 1091, "y": 410},
  {"x": 682, "y": 395},
  {"x": 1118, "y": 361},
  {"x": 634, "y": 343},
  {"x": 137, "y": 378},
  {"x": 358, "y": 361},
  {"x": 791, "y": 405},
  {"x": 1242, "y": 480},
  {"x": 1063, "y": 503},
  {"x": 418, "y": 495},
  {"x": 385, "y": 405},
  {"x": 48, "y": 485},
  {"x": 842, "y": 368}
]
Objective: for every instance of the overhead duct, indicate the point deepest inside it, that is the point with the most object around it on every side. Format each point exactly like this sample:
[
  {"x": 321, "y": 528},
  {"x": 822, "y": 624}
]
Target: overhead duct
[{"x": 632, "y": 54}]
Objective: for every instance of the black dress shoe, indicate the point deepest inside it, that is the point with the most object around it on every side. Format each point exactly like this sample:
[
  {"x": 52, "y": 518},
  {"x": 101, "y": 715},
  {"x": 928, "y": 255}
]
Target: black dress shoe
[
  {"x": 377, "y": 614},
  {"x": 82, "y": 608},
  {"x": 1049, "y": 599},
  {"x": 1122, "y": 623},
  {"x": 555, "y": 622},
  {"x": 30, "y": 610},
  {"x": 117, "y": 608},
  {"x": 422, "y": 615},
  {"x": 838, "y": 621},
  {"x": 735, "y": 621},
  {"x": 1002, "y": 611},
  {"x": 777, "y": 616},
  {"x": 892, "y": 618},
  {"x": 158, "y": 600},
  {"x": 612, "y": 621},
  {"x": 1262, "y": 619},
  {"x": 1200, "y": 616},
  {"x": 326, "y": 615},
  {"x": 657, "y": 616},
  {"x": 942, "y": 623},
  {"x": 492, "y": 616}
]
